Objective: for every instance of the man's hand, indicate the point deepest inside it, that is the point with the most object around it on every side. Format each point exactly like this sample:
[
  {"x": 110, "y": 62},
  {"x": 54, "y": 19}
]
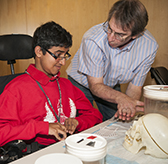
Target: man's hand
[
  {"x": 127, "y": 107},
  {"x": 58, "y": 130},
  {"x": 128, "y": 103},
  {"x": 71, "y": 124}
]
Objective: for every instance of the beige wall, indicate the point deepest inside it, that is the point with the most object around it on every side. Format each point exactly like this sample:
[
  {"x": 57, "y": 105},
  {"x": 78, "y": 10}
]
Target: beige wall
[{"x": 77, "y": 16}]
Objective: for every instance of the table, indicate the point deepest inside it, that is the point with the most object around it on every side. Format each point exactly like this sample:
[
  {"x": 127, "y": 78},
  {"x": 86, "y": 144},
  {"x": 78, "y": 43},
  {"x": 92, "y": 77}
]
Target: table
[
  {"x": 55, "y": 148},
  {"x": 114, "y": 132}
]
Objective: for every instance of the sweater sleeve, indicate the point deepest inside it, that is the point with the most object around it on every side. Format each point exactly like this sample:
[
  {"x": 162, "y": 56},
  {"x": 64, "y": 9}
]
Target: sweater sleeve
[
  {"x": 12, "y": 125},
  {"x": 87, "y": 115}
]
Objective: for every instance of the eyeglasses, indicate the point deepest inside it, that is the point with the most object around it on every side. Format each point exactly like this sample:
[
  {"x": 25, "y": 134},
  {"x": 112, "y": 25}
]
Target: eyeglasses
[
  {"x": 108, "y": 30},
  {"x": 57, "y": 56}
]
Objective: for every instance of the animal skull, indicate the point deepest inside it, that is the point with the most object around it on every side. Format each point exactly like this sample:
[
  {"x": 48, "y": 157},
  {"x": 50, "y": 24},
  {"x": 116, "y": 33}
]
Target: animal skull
[{"x": 150, "y": 132}]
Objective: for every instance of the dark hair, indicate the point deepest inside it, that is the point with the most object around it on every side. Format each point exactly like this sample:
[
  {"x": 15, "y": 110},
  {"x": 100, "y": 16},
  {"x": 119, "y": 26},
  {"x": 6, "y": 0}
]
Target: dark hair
[
  {"x": 51, "y": 34},
  {"x": 129, "y": 14}
]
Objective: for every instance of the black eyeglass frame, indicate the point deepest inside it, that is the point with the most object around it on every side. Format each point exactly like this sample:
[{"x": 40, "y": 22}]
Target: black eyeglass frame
[
  {"x": 118, "y": 37},
  {"x": 58, "y": 57}
]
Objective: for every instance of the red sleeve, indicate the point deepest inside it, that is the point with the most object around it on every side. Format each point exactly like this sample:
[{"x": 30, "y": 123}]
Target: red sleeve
[
  {"x": 12, "y": 127},
  {"x": 88, "y": 116}
]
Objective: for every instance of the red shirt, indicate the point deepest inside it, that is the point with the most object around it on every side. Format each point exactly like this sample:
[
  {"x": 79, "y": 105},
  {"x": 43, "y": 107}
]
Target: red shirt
[{"x": 26, "y": 113}]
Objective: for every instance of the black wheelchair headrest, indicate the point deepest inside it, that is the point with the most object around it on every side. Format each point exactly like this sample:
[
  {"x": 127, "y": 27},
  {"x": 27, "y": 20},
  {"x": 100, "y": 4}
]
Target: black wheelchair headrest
[{"x": 15, "y": 46}]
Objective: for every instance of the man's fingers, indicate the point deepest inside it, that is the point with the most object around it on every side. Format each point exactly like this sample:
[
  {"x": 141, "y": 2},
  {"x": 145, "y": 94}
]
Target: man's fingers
[
  {"x": 139, "y": 106},
  {"x": 139, "y": 109},
  {"x": 140, "y": 103},
  {"x": 116, "y": 114}
]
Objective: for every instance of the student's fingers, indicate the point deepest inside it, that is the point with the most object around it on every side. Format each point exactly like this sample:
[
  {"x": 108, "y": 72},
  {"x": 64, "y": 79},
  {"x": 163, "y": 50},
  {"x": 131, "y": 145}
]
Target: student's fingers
[
  {"x": 60, "y": 135},
  {"x": 71, "y": 124},
  {"x": 58, "y": 130}
]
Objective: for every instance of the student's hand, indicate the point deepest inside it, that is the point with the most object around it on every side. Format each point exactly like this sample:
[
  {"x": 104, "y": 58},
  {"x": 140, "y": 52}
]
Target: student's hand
[
  {"x": 58, "y": 130},
  {"x": 127, "y": 107},
  {"x": 71, "y": 124}
]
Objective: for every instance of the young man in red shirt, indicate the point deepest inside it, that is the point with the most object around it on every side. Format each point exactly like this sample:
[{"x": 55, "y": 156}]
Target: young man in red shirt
[{"x": 40, "y": 106}]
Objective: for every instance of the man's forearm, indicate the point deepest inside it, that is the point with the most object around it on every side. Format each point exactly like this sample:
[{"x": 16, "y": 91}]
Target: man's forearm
[
  {"x": 134, "y": 91},
  {"x": 106, "y": 92}
]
